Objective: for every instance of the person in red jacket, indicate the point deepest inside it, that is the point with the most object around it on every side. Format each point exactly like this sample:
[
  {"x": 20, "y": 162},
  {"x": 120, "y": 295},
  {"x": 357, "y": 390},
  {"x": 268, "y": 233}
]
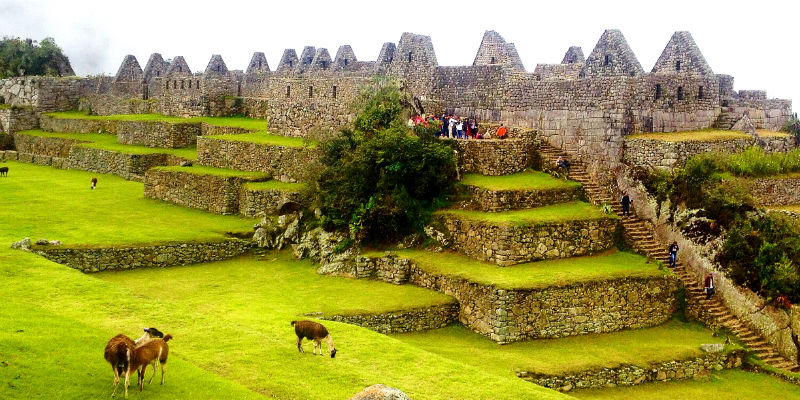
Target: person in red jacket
[
  {"x": 709, "y": 285},
  {"x": 501, "y": 132}
]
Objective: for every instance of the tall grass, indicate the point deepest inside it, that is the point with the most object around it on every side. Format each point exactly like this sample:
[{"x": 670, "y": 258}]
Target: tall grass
[{"x": 754, "y": 162}]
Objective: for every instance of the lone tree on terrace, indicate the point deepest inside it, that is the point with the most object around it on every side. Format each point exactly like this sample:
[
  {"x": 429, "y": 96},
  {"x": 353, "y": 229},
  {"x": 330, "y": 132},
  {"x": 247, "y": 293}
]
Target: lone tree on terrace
[{"x": 382, "y": 179}]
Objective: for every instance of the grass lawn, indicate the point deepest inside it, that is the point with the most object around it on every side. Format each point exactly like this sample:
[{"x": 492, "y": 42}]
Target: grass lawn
[
  {"x": 46, "y": 202},
  {"x": 527, "y": 180},
  {"x": 701, "y": 135},
  {"x": 534, "y": 275},
  {"x": 274, "y": 185},
  {"x": 564, "y": 212},
  {"x": 723, "y": 385},
  {"x": 224, "y": 172},
  {"x": 109, "y": 142},
  {"x": 674, "y": 340},
  {"x": 230, "y": 319}
]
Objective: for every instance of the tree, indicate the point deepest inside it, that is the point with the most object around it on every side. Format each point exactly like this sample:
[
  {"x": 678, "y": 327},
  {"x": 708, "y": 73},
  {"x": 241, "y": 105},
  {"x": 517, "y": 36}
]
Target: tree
[
  {"x": 381, "y": 179},
  {"x": 27, "y": 57}
]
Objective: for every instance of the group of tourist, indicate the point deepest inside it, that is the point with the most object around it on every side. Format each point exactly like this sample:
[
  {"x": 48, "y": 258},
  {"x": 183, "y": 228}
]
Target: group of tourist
[{"x": 455, "y": 127}]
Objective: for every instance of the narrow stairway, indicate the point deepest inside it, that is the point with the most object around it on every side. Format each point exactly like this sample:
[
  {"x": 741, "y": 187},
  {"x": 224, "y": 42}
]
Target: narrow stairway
[{"x": 643, "y": 240}]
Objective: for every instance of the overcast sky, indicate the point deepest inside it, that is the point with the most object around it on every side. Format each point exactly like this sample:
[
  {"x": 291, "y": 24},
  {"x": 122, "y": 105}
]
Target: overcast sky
[{"x": 756, "y": 42}]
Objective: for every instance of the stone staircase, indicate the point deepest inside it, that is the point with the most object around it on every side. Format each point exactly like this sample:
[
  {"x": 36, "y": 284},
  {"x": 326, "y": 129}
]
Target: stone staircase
[{"x": 644, "y": 241}]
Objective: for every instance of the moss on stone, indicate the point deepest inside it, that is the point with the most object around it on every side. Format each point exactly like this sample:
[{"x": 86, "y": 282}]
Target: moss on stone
[
  {"x": 704, "y": 135},
  {"x": 273, "y": 184},
  {"x": 203, "y": 170}
]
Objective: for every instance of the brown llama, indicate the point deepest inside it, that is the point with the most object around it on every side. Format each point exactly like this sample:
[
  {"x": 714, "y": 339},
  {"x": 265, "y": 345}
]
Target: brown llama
[
  {"x": 153, "y": 352},
  {"x": 315, "y": 332},
  {"x": 120, "y": 352}
]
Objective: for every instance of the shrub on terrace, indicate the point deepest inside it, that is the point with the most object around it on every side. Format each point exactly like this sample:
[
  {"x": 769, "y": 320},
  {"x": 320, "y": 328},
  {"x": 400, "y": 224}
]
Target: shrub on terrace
[{"x": 382, "y": 179}]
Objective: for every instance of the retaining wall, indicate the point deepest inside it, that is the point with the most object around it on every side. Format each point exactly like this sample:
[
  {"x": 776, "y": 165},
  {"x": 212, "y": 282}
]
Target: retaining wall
[
  {"x": 508, "y": 315},
  {"x": 420, "y": 319},
  {"x": 512, "y": 244},
  {"x": 255, "y": 203},
  {"x": 163, "y": 255},
  {"x": 494, "y": 156},
  {"x": 284, "y": 163},
  {"x": 217, "y": 194},
  {"x": 776, "y": 191},
  {"x": 482, "y": 199},
  {"x": 662, "y": 154},
  {"x": 628, "y": 375}
]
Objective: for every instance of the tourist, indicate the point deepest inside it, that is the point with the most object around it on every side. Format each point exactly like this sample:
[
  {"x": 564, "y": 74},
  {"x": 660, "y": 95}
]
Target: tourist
[
  {"x": 452, "y": 127},
  {"x": 673, "y": 255},
  {"x": 708, "y": 285},
  {"x": 501, "y": 132},
  {"x": 410, "y": 122},
  {"x": 626, "y": 205},
  {"x": 473, "y": 127},
  {"x": 563, "y": 164},
  {"x": 460, "y": 129},
  {"x": 443, "y": 120}
]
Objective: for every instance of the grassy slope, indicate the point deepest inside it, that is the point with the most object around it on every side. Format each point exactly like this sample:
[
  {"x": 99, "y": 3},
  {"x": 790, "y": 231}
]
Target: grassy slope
[
  {"x": 528, "y": 180},
  {"x": 563, "y": 212},
  {"x": 538, "y": 274},
  {"x": 229, "y": 318},
  {"x": 224, "y": 172},
  {"x": 671, "y": 341},
  {"x": 44, "y": 202},
  {"x": 701, "y": 135},
  {"x": 725, "y": 385},
  {"x": 109, "y": 142},
  {"x": 771, "y": 134}
]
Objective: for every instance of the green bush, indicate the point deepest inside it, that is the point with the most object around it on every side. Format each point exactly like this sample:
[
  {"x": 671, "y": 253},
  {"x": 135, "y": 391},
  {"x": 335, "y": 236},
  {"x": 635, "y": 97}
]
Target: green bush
[{"x": 382, "y": 179}]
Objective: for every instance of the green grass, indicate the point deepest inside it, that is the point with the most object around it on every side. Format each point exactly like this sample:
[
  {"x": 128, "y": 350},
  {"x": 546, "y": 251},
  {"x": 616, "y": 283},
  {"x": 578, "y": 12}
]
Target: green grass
[
  {"x": 564, "y": 212},
  {"x": 534, "y": 275},
  {"x": 528, "y": 180},
  {"x": 274, "y": 185},
  {"x": 641, "y": 347},
  {"x": 45, "y": 202},
  {"x": 704, "y": 135},
  {"x": 228, "y": 173},
  {"x": 230, "y": 319},
  {"x": 724, "y": 385},
  {"x": 264, "y": 138},
  {"x": 257, "y": 126},
  {"x": 109, "y": 142}
]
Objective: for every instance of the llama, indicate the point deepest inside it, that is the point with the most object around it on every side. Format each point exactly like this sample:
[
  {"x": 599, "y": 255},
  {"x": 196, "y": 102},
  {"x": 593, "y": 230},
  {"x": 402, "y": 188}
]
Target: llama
[
  {"x": 3, "y": 171},
  {"x": 313, "y": 331},
  {"x": 94, "y": 183},
  {"x": 120, "y": 352},
  {"x": 148, "y": 335},
  {"x": 153, "y": 352}
]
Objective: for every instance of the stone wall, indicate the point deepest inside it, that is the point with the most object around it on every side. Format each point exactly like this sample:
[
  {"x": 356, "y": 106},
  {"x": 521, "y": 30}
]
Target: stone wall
[
  {"x": 14, "y": 119},
  {"x": 482, "y": 199},
  {"x": 421, "y": 319},
  {"x": 287, "y": 164},
  {"x": 157, "y": 134},
  {"x": 255, "y": 203},
  {"x": 776, "y": 191},
  {"x": 508, "y": 315},
  {"x": 663, "y": 154},
  {"x": 44, "y": 146},
  {"x": 213, "y": 193},
  {"x": 628, "y": 375},
  {"x": 129, "y": 166},
  {"x": 512, "y": 244},
  {"x": 164, "y": 255},
  {"x": 494, "y": 156}
]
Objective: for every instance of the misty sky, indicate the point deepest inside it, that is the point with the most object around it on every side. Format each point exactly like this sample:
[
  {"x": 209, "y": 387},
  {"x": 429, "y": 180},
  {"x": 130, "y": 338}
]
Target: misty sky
[{"x": 756, "y": 42}]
